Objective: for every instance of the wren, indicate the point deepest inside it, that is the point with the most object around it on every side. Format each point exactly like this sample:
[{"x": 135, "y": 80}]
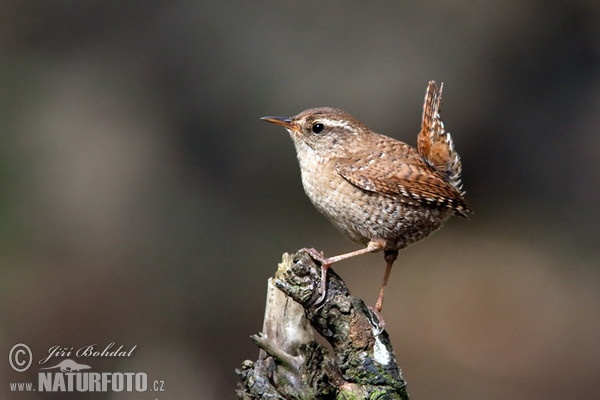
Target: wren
[{"x": 378, "y": 191}]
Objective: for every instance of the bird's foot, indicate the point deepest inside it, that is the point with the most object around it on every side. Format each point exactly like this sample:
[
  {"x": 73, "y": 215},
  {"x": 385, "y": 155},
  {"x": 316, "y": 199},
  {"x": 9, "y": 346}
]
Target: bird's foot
[
  {"x": 315, "y": 255},
  {"x": 325, "y": 264},
  {"x": 377, "y": 320}
]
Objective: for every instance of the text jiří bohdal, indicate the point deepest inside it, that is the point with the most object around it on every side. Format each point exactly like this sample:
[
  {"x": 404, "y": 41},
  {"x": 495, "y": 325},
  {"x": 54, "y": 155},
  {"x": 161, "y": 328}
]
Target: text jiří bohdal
[{"x": 89, "y": 351}]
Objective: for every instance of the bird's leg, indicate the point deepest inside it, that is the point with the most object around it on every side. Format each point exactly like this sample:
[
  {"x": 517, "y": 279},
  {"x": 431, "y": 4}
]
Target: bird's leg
[
  {"x": 326, "y": 262},
  {"x": 390, "y": 256}
]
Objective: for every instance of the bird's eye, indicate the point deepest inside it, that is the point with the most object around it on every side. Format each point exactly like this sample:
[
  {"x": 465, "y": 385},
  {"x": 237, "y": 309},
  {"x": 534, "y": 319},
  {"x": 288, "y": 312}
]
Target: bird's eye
[{"x": 318, "y": 128}]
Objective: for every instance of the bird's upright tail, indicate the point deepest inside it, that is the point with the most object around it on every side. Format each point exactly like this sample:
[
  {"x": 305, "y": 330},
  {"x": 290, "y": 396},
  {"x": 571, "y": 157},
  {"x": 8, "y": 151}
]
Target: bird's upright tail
[{"x": 434, "y": 143}]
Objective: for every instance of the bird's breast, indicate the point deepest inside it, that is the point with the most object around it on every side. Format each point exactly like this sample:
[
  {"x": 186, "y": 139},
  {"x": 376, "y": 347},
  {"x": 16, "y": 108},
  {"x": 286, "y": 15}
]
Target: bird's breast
[{"x": 363, "y": 215}]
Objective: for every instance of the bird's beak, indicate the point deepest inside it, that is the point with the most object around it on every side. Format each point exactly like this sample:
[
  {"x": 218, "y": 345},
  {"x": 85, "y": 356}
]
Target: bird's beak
[{"x": 285, "y": 122}]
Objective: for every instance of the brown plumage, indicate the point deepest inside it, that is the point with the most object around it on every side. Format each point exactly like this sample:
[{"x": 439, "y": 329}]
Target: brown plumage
[
  {"x": 377, "y": 190},
  {"x": 434, "y": 143}
]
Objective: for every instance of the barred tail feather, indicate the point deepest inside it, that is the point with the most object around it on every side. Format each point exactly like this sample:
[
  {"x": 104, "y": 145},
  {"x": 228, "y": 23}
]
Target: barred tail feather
[{"x": 434, "y": 143}]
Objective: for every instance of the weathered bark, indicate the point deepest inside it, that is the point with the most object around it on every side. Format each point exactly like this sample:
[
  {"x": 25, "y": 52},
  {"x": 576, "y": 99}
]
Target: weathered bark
[{"x": 293, "y": 365}]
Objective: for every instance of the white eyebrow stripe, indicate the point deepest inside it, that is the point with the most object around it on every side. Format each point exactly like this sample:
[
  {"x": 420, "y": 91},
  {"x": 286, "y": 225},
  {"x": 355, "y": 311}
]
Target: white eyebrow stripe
[{"x": 335, "y": 123}]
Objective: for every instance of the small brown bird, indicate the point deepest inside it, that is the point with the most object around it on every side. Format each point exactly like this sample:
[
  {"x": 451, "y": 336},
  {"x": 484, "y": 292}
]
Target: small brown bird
[{"x": 379, "y": 191}]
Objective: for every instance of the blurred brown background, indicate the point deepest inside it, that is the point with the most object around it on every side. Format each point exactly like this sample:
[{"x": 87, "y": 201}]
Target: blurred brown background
[{"x": 142, "y": 201}]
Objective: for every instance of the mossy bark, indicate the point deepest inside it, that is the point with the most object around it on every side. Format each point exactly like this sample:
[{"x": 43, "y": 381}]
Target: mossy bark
[{"x": 293, "y": 365}]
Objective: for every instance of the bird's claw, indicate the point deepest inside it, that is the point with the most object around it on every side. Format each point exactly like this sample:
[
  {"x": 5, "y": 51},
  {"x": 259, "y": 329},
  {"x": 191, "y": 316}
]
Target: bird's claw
[
  {"x": 377, "y": 320},
  {"x": 325, "y": 264},
  {"x": 315, "y": 254}
]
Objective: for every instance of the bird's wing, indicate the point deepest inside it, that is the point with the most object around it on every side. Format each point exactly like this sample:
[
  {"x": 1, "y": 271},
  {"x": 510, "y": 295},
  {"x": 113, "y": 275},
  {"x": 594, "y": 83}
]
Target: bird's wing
[{"x": 396, "y": 170}]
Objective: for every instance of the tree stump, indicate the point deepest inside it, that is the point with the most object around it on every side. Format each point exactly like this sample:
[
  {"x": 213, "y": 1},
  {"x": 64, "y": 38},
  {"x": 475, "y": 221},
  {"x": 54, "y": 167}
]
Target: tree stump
[{"x": 292, "y": 364}]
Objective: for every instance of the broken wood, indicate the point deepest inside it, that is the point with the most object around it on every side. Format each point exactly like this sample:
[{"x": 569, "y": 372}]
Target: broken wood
[{"x": 292, "y": 364}]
